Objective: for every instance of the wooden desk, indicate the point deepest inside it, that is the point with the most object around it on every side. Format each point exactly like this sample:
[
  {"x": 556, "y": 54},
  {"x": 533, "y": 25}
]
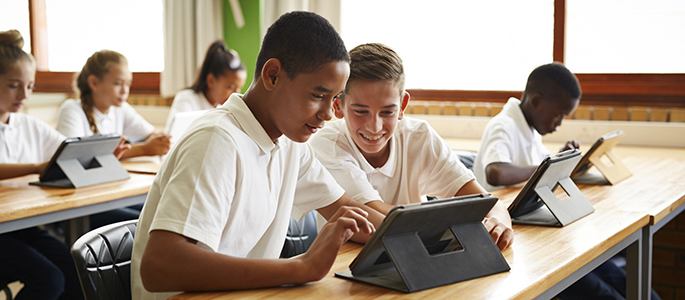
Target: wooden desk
[{"x": 23, "y": 205}]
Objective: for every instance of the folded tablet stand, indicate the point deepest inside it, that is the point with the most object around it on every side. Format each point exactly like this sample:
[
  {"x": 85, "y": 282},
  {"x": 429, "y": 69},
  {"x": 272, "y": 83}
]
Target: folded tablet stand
[
  {"x": 420, "y": 270},
  {"x": 72, "y": 173},
  {"x": 565, "y": 211},
  {"x": 614, "y": 172}
]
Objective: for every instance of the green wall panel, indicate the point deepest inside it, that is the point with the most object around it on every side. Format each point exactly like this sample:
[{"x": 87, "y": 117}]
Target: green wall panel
[{"x": 245, "y": 40}]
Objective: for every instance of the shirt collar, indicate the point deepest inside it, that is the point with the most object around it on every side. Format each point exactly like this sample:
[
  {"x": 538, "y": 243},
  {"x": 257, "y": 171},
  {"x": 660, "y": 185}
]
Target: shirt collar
[
  {"x": 249, "y": 123},
  {"x": 99, "y": 116},
  {"x": 11, "y": 124},
  {"x": 388, "y": 169},
  {"x": 513, "y": 109}
]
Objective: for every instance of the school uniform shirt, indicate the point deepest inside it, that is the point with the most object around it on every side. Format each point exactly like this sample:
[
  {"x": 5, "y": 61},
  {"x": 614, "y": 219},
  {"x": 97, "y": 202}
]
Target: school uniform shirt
[
  {"x": 121, "y": 120},
  {"x": 228, "y": 186},
  {"x": 508, "y": 138},
  {"x": 27, "y": 140},
  {"x": 420, "y": 163},
  {"x": 187, "y": 100}
]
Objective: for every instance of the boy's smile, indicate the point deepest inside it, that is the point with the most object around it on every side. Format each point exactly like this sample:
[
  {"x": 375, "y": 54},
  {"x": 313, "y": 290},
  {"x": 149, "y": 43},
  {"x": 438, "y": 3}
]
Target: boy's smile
[{"x": 372, "y": 110}]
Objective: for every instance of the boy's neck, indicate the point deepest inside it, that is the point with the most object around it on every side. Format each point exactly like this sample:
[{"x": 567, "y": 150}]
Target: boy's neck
[
  {"x": 258, "y": 102},
  {"x": 526, "y": 110}
]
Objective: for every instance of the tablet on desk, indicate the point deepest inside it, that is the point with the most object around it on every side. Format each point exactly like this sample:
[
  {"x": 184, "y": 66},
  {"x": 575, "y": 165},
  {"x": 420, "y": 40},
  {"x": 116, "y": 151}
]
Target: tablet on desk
[
  {"x": 85, "y": 161},
  {"x": 601, "y": 156},
  {"x": 429, "y": 244},
  {"x": 536, "y": 203}
]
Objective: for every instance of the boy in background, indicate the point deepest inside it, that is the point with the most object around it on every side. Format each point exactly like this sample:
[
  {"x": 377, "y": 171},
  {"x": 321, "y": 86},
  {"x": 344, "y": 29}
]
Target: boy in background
[
  {"x": 382, "y": 158},
  {"x": 511, "y": 149},
  {"x": 218, "y": 211}
]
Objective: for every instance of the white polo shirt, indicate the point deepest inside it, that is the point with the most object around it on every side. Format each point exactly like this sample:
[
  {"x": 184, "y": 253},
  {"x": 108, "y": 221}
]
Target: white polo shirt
[
  {"x": 123, "y": 120},
  {"x": 228, "y": 186},
  {"x": 420, "y": 163},
  {"x": 27, "y": 140},
  {"x": 508, "y": 138},
  {"x": 187, "y": 100}
]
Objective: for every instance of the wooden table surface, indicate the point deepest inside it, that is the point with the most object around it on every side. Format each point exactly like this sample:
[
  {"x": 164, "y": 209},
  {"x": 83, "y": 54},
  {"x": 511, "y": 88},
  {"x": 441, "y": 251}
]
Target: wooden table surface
[{"x": 20, "y": 200}]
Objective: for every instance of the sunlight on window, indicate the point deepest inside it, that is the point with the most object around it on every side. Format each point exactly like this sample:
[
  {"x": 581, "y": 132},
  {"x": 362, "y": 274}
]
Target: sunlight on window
[
  {"x": 457, "y": 45},
  {"x": 15, "y": 15},
  {"x": 78, "y": 28},
  {"x": 625, "y": 36}
]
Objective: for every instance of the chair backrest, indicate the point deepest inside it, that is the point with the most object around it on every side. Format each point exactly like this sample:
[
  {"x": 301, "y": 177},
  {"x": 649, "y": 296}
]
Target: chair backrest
[
  {"x": 103, "y": 261},
  {"x": 300, "y": 235}
]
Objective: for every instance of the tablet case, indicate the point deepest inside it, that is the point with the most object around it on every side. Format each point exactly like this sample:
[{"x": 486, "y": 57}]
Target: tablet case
[
  {"x": 536, "y": 204},
  {"x": 424, "y": 247},
  {"x": 612, "y": 172},
  {"x": 80, "y": 162}
]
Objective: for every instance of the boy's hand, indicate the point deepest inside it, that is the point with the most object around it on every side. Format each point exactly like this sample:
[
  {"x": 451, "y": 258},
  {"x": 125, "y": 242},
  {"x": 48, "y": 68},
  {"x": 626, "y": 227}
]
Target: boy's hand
[
  {"x": 341, "y": 227},
  {"x": 121, "y": 148},
  {"x": 502, "y": 234},
  {"x": 572, "y": 144},
  {"x": 157, "y": 144}
]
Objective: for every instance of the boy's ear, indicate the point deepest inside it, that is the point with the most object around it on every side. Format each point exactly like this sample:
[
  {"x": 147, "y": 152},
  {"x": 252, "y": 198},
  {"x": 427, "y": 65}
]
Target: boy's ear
[
  {"x": 270, "y": 72},
  {"x": 337, "y": 109},
  {"x": 535, "y": 100},
  {"x": 93, "y": 82},
  {"x": 403, "y": 104}
]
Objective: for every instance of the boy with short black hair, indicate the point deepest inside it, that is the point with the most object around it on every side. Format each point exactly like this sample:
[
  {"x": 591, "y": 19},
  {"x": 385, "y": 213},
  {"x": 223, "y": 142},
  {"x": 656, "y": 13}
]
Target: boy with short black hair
[
  {"x": 382, "y": 158},
  {"x": 511, "y": 147},
  {"x": 218, "y": 211}
]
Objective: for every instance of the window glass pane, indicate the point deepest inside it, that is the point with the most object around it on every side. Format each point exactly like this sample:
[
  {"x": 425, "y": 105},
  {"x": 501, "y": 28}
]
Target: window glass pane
[
  {"x": 457, "y": 45},
  {"x": 15, "y": 15},
  {"x": 78, "y": 28},
  {"x": 625, "y": 36}
]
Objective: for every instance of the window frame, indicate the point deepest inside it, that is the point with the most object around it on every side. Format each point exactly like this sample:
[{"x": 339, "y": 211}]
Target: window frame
[{"x": 649, "y": 89}]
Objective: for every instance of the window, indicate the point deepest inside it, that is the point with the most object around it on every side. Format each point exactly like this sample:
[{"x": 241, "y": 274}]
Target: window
[
  {"x": 625, "y": 36},
  {"x": 457, "y": 45},
  {"x": 15, "y": 15},
  {"x": 78, "y": 28}
]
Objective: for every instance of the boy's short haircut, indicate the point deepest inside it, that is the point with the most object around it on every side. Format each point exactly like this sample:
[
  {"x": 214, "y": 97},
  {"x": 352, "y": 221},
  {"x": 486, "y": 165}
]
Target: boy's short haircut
[
  {"x": 548, "y": 79},
  {"x": 376, "y": 62},
  {"x": 302, "y": 42}
]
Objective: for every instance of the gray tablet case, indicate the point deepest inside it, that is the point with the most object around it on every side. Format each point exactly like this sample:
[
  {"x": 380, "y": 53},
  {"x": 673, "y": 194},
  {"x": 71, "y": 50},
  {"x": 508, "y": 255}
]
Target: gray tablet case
[
  {"x": 426, "y": 245},
  {"x": 601, "y": 155},
  {"x": 536, "y": 204},
  {"x": 80, "y": 162}
]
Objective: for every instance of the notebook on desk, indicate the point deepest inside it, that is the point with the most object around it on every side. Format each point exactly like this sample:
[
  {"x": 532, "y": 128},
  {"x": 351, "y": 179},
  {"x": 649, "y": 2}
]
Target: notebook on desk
[
  {"x": 86, "y": 161},
  {"x": 429, "y": 244}
]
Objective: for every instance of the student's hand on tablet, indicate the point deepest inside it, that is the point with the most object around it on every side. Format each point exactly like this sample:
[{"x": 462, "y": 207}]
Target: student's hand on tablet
[
  {"x": 502, "y": 234},
  {"x": 341, "y": 227},
  {"x": 572, "y": 144},
  {"x": 157, "y": 144},
  {"x": 121, "y": 148}
]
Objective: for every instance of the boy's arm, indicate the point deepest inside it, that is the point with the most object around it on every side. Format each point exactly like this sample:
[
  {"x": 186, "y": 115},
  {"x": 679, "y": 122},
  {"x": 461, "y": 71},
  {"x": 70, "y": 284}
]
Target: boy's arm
[
  {"x": 507, "y": 173},
  {"x": 373, "y": 216},
  {"x": 172, "y": 262},
  {"x": 497, "y": 221},
  {"x": 16, "y": 170}
]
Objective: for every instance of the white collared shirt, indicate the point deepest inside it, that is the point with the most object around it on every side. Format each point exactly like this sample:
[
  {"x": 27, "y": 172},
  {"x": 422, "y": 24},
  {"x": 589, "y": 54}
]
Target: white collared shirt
[
  {"x": 228, "y": 186},
  {"x": 121, "y": 120},
  {"x": 187, "y": 100},
  {"x": 27, "y": 140},
  {"x": 420, "y": 163},
  {"x": 508, "y": 138}
]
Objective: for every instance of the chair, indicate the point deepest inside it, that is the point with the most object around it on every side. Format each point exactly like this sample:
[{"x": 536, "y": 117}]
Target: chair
[
  {"x": 300, "y": 235},
  {"x": 103, "y": 261},
  {"x": 4, "y": 286},
  {"x": 467, "y": 158}
]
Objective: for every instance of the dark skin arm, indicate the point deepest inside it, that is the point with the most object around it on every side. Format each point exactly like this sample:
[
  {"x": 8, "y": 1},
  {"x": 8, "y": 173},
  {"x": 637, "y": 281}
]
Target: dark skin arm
[{"x": 507, "y": 174}]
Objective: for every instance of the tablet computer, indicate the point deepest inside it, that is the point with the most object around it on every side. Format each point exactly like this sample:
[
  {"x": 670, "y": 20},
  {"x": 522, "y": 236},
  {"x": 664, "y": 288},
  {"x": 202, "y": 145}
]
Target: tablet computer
[
  {"x": 83, "y": 161},
  {"x": 449, "y": 236},
  {"x": 536, "y": 203},
  {"x": 610, "y": 139}
]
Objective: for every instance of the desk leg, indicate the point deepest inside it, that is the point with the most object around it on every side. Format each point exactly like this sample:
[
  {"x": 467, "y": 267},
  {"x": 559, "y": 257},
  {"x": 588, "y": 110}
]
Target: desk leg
[
  {"x": 635, "y": 269},
  {"x": 76, "y": 228},
  {"x": 647, "y": 246}
]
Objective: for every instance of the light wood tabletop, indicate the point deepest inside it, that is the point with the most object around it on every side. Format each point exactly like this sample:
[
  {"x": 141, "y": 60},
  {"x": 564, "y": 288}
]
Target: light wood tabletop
[{"x": 19, "y": 200}]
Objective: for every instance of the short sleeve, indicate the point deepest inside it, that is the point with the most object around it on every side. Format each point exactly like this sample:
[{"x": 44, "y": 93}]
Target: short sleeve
[
  {"x": 71, "y": 120},
  {"x": 336, "y": 154},
  {"x": 316, "y": 188},
  {"x": 498, "y": 147},
  {"x": 136, "y": 128},
  {"x": 444, "y": 174},
  {"x": 51, "y": 139}
]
